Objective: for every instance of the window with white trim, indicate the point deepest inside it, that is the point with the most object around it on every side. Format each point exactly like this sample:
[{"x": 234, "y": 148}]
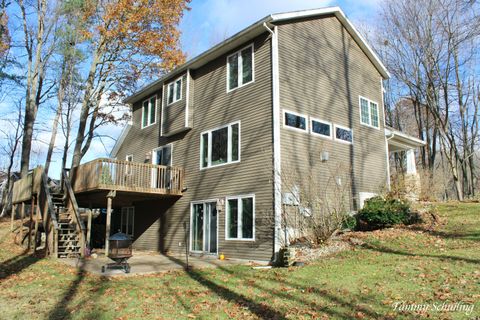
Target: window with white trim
[
  {"x": 220, "y": 146},
  {"x": 343, "y": 134},
  {"x": 240, "y": 218},
  {"x": 321, "y": 128},
  {"x": 240, "y": 68},
  {"x": 369, "y": 112},
  {"x": 127, "y": 216},
  {"x": 149, "y": 111},
  {"x": 295, "y": 121},
  {"x": 174, "y": 91}
]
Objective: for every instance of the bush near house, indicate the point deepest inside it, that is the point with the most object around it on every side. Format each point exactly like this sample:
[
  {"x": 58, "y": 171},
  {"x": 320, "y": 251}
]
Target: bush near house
[{"x": 380, "y": 212}]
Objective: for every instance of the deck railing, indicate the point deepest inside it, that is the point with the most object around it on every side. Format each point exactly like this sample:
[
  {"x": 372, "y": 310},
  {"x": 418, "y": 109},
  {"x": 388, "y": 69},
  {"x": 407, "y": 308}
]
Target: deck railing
[{"x": 119, "y": 175}]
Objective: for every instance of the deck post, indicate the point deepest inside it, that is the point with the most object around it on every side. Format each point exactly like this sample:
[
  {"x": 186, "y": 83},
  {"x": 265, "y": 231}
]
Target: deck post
[
  {"x": 37, "y": 215},
  {"x": 30, "y": 226},
  {"x": 14, "y": 211},
  {"x": 22, "y": 216},
  {"x": 89, "y": 227},
  {"x": 110, "y": 197}
]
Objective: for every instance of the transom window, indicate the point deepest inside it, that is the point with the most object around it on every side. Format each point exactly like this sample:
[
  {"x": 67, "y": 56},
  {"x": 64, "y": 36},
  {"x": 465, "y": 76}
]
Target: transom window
[
  {"x": 240, "y": 219},
  {"x": 240, "y": 68},
  {"x": 174, "y": 91},
  {"x": 321, "y": 128},
  {"x": 220, "y": 146},
  {"x": 149, "y": 111},
  {"x": 343, "y": 134},
  {"x": 369, "y": 112},
  {"x": 295, "y": 121}
]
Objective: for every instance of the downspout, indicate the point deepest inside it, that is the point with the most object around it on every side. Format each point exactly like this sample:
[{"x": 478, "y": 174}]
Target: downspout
[
  {"x": 382, "y": 89},
  {"x": 277, "y": 164}
]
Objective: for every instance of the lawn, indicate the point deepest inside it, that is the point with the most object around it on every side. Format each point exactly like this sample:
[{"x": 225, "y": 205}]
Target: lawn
[{"x": 437, "y": 269}]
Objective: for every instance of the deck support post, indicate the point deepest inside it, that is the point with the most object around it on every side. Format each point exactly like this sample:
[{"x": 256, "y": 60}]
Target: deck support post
[
  {"x": 14, "y": 211},
  {"x": 89, "y": 227},
  {"x": 22, "y": 216},
  {"x": 110, "y": 197},
  {"x": 30, "y": 226},
  {"x": 37, "y": 217}
]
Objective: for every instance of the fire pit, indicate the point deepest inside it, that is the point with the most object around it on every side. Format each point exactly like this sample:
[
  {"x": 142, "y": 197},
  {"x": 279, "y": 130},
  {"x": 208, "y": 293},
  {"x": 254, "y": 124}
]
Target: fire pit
[{"x": 120, "y": 251}]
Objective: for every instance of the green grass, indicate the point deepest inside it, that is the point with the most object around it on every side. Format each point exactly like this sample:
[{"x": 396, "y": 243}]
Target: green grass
[{"x": 394, "y": 266}]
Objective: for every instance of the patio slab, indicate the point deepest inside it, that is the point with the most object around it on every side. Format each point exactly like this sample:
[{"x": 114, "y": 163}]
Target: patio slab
[{"x": 150, "y": 263}]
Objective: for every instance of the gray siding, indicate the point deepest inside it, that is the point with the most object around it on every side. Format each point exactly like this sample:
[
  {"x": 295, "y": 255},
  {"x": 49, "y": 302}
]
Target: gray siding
[
  {"x": 173, "y": 120},
  {"x": 211, "y": 106},
  {"x": 322, "y": 74}
]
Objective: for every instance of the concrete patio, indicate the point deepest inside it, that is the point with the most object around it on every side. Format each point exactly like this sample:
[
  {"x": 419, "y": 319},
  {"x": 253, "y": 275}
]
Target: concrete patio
[{"x": 142, "y": 263}]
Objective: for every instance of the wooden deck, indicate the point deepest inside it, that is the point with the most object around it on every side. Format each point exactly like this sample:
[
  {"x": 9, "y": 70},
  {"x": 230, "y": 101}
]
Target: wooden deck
[{"x": 128, "y": 177}]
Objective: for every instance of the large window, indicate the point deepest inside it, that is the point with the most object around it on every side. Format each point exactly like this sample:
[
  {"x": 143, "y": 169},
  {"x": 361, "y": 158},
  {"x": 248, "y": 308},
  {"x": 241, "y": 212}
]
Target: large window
[
  {"x": 149, "y": 111},
  {"x": 343, "y": 134},
  {"x": 220, "y": 146},
  {"x": 240, "y": 218},
  {"x": 294, "y": 121},
  {"x": 369, "y": 112},
  {"x": 174, "y": 91},
  {"x": 321, "y": 128},
  {"x": 163, "y": 155},
  {"x": 127, "y": 220},
  {"x": 240, "y": 68}
]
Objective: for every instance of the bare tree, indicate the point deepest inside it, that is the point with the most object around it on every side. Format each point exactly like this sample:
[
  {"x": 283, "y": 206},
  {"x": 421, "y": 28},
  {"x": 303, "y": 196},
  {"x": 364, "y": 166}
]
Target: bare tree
[{"x": 430, "y": 49}]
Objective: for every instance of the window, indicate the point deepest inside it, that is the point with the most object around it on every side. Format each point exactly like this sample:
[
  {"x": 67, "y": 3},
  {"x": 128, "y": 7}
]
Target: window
[
  {"x": 149, "y": 111},
  {"x": 343, "y": 134},
  {"x": 220, "y": 146},
  {"x": 240, "y": 68},
  {"x": 163, "y": 155},
  {"x": 127, "y": 216},
  {"x": 240, "y": 219},
  {"x": 321, "y": 128},
  {"x": 295, "y": 121},
  {"x": 368, "y": 112},
  {"x": 174, "y": 91}
]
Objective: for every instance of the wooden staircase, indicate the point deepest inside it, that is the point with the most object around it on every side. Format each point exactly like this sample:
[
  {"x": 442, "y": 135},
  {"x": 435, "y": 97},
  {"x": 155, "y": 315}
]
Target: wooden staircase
[{"x": 69, "y": 239}]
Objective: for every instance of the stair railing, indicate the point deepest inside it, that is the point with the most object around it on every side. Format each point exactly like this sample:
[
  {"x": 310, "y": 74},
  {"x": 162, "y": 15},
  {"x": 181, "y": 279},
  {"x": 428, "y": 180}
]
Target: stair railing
[
  {"x": 71, "y": 203},
  {"x": 49, "y": 219}
]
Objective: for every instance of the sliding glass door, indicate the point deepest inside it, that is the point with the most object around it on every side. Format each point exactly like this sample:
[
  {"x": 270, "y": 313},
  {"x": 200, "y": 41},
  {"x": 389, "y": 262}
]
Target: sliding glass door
[{"x": 203, "y": 227}]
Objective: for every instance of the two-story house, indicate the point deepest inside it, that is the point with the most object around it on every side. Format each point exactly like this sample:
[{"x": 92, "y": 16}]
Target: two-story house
[{"x": 276, "y": 94}]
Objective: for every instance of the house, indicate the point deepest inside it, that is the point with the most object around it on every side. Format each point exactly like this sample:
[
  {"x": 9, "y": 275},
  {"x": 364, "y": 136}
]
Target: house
[
  {"x": 280, "y": 92},
  {"x": 200, "y": 166}
]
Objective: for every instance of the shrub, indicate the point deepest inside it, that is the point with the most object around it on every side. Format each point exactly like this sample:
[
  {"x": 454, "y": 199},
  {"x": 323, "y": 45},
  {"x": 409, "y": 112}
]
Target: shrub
[
  {"x": 379, "y": 212},
  {"x": 350, "y": 222}
]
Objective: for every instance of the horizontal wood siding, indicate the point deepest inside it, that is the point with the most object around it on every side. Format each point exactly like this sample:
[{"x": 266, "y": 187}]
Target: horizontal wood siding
[
  {"x": 211, "y": 106},
  {"x": 322, "y": 74}
]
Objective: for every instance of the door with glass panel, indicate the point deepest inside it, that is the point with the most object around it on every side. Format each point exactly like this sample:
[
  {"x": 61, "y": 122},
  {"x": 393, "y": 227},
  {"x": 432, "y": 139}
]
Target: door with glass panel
[
  {"x": 161, "y": 177},
  {"x": 203, "y": 225}
]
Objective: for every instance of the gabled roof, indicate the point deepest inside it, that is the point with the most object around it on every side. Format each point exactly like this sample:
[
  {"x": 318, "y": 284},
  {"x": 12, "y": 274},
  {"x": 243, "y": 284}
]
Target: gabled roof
[{"x": 255, "y": 30}]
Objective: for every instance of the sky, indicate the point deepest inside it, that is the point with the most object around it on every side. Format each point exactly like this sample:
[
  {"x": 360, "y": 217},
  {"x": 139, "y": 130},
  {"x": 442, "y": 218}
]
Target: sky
[{"x": 207, "y": 23}]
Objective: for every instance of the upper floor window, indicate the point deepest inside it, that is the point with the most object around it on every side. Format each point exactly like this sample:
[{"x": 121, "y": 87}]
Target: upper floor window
[
  {"x": 295, "y": 121},
  {"x": 163, "y": 155},
  {"x": 343, "y": 134},
  {"x": 220, "y": 146},
  {"x": 369, "y": 112},
  {"x": 149, "y": 111},
  {"x": 240, "y": 68},
  {"x": 321, "y": 128},
  {"x": 174, "y": 91}
]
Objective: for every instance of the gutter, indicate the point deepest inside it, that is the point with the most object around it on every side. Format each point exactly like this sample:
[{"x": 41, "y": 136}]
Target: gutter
[{"x": 277, "y": 162}]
